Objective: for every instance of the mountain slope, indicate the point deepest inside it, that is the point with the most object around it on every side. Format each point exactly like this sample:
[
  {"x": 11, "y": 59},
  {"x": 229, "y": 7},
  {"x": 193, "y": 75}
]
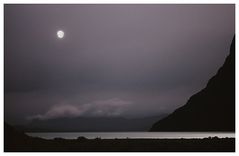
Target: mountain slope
[
  {"x": 211, "y": 109},
  {"x": 90, "y": 124}
]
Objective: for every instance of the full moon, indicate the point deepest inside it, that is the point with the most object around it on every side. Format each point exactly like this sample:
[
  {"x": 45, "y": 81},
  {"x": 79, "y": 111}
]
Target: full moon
[{"x": 60, "y": 34}]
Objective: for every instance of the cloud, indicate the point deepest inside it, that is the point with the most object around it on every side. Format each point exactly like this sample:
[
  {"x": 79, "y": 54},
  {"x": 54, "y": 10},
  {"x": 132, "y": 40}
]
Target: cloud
[
  {"x": 59, "y": 111},
  {"x": 109, "y": 107}
]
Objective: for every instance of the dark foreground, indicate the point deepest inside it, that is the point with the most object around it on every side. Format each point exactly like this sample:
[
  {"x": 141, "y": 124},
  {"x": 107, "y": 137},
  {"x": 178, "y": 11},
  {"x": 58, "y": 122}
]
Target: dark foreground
[
  {"x": 126, "y": 145},
  {"x": 15, "y": 141}
]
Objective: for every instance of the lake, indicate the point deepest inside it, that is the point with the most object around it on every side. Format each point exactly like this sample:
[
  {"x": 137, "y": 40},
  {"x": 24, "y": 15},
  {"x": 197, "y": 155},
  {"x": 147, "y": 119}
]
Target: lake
[{"x": 121, "y": 135}]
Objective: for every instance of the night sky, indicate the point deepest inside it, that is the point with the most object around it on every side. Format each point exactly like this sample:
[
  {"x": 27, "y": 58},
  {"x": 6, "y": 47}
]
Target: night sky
[{"x": 114, "y": 60}]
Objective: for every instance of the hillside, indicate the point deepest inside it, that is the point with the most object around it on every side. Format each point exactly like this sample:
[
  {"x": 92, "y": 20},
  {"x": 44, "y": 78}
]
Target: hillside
[
  {"x": 211, "y": 109},
  {"x": 90, "y": 124}
]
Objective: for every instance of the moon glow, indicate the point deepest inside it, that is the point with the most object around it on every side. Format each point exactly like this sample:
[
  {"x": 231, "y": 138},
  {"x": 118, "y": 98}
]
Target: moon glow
[{"x": 60, "y": 34}]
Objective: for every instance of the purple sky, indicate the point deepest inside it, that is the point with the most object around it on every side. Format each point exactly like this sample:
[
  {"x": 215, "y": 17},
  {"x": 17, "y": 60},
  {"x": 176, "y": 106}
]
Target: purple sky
[{"x": 114, "y": 60}]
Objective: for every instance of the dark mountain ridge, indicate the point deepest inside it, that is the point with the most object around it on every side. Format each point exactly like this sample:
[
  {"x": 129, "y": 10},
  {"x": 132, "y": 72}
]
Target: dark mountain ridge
[
  {"x": 211, "y": 109},
  {"x": 90, "y": 124}
]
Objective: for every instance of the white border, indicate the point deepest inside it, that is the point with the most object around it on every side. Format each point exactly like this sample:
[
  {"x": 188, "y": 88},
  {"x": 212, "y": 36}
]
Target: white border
[
  {"x": 113, "y": 2},
  {"x": 123, "y": 1}
]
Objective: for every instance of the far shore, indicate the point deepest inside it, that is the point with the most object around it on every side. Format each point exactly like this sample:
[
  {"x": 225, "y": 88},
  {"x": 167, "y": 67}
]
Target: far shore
[{"x": 82, "y": 144}]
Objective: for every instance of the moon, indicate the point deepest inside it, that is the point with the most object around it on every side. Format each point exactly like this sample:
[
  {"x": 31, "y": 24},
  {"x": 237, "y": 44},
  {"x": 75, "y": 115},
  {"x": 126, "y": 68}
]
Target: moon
[{"x": 60, "y": 34}]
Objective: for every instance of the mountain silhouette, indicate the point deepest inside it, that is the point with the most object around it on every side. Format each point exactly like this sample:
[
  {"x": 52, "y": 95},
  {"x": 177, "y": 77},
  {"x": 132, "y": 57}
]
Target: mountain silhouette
[
  {"x": 211, "y": 109},
  {"x": 90, "y": 124}
]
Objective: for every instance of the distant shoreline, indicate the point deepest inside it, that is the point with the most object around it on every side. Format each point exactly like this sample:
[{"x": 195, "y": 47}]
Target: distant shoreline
[
  {"x": 125, "y": 145},
  {"x": 16, "y": 141},
  {"x": 132, "y": 135}
]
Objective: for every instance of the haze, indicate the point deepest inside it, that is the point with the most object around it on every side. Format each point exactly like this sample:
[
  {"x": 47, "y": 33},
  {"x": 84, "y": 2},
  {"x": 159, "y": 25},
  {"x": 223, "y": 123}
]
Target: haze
[{"x": 114, "y": 60}]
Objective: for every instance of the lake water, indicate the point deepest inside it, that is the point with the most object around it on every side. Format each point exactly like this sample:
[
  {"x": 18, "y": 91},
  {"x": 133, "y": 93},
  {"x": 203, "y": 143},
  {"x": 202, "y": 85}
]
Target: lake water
[{"x": 121, "y": 135}]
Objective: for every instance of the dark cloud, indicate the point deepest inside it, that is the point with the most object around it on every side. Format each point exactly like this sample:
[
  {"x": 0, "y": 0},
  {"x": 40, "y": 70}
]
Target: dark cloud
[{"x": 154, "y": 56}]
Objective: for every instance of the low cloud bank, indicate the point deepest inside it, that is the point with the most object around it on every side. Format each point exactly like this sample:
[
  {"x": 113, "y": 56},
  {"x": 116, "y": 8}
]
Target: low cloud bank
[{"x": 110, "y": 107}]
